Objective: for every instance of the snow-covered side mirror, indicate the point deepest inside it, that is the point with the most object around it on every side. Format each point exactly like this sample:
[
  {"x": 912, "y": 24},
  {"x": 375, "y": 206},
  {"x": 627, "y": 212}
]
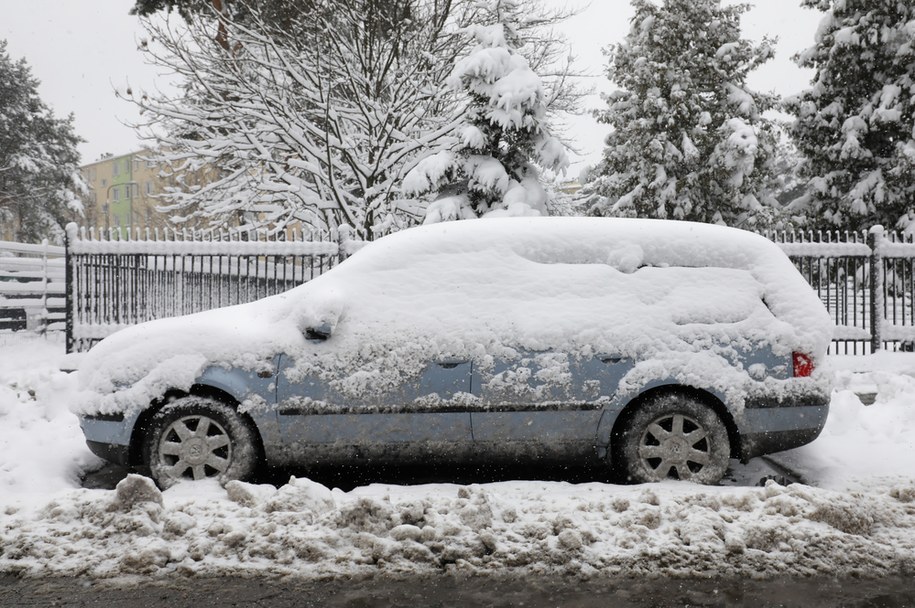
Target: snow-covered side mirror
[
  {"x": 320, "y": 313},
  {"x": 319, "y": 333}
]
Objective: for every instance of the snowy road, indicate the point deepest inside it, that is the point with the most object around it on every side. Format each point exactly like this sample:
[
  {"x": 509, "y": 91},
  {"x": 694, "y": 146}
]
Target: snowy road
[{"x": 854, "y": 517}]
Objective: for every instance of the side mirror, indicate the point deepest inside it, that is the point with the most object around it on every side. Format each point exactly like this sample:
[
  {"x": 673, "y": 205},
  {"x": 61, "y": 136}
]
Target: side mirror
[{"x": 319, "y": 333}]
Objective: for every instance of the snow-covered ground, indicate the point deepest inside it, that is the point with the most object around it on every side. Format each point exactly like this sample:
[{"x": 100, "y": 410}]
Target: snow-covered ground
[{"x": 857, "y": 516}]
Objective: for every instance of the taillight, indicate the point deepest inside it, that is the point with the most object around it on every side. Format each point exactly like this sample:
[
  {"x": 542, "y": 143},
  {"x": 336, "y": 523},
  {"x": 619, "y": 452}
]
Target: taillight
[{"x": 803, "y": 365}]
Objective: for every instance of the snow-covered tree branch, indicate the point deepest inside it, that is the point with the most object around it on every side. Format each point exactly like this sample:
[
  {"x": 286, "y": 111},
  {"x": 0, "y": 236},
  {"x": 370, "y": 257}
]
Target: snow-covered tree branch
[
  {"x": 313, "y": 116},
  {"x": 491, "y": 166}
]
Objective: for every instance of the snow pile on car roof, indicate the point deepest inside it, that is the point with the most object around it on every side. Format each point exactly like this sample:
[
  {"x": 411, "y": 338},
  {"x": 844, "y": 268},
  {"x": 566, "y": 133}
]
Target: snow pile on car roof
[{"x": 684, "y": 299}]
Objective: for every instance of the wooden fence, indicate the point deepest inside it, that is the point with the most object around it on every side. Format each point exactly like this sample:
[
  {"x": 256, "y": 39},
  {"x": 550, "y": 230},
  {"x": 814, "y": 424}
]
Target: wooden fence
[{"x": 32, "y": 287}]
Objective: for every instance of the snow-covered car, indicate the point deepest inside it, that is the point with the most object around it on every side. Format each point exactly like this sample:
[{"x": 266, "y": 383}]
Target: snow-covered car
[{"x": 659, "y": 348}]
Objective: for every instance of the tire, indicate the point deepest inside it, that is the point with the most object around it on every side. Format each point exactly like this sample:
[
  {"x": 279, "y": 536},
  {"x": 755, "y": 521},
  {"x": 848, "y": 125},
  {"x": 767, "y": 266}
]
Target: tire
[
  {"x": 674, "y": 437},
  {"x": 196, "y": 438}
]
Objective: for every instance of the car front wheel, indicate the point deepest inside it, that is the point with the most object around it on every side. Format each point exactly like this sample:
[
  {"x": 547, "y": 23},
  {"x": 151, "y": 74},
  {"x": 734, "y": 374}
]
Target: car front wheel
[
  {"x": 196, "y": 438},
  {"x": 675, "y": 437}
]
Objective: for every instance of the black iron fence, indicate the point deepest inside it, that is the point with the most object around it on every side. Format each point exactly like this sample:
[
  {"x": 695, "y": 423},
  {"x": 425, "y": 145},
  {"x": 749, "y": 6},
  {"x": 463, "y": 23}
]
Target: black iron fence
[
  {"x": 117, "y": 279},
  {"x": 114, "y": 279},
  {"x": 866, "y": 280}
]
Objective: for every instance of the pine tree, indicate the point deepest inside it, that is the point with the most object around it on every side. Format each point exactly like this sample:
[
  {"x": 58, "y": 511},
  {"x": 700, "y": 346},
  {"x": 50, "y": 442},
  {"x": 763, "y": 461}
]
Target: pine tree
[
  {"x": 855, "y": 125},
  {"x": 39, "y": 179},
  {"x": 689, "y": 141},
  {"x": 492, "y": 165}
]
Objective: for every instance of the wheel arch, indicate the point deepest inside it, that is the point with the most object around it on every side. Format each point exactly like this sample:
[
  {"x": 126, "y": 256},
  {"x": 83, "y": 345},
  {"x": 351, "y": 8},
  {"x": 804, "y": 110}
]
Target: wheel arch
[
  {"x": 703, "y": 396},
  {"x": 142, "y": 428}
]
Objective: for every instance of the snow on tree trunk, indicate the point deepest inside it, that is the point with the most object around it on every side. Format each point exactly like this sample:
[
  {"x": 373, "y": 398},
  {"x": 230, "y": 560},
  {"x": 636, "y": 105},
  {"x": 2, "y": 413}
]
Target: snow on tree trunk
[
  {"x": 491, "y": 166},
  {"x": 855, "y": 125},
  {"x": 689, "y": 140}
]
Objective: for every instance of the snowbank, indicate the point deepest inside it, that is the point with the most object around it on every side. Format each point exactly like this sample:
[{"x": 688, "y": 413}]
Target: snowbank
[
  {"x": 42, "y": 449},
  {"x": 522, "y": 528}
]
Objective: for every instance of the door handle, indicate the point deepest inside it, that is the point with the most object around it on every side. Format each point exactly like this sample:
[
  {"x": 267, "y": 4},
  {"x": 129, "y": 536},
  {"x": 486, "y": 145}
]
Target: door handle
[{"x": 450, "y": 364}]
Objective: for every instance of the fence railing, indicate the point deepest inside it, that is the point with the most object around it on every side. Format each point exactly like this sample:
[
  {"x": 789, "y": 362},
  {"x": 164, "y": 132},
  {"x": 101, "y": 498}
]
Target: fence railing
[
  {"x": 32, "y": 287},
  {"x": 118, "y": 279},
  {"x": 865, "y": 279}
]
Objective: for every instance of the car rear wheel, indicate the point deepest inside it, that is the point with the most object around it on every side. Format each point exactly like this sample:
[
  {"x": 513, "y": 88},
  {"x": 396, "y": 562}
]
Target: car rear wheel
[
  {"x": 196, "y": 438},
  {"x": 674, "y": 437}
]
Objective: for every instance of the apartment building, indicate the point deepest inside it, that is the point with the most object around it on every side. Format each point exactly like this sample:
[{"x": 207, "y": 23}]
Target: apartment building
[{"x": 122, "y": 191}]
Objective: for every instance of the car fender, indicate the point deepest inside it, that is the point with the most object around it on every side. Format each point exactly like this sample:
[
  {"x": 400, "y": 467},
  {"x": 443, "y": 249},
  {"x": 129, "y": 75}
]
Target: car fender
[
  {"x": 243, "y": 384},
  {"x": 620, "y": 402}
]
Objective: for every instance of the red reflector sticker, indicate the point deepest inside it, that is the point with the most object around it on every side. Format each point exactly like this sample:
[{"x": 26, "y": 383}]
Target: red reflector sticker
[{"x": 803, "y": 365}]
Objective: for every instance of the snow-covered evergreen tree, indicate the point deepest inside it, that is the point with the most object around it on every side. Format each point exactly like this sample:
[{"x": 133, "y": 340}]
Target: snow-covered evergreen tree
[
  {"x": 689, "y": 140},
  {"x": 39, "y": 179},
  {"x": 855, "y": 125},
  {"x": 491, "y": 167}
]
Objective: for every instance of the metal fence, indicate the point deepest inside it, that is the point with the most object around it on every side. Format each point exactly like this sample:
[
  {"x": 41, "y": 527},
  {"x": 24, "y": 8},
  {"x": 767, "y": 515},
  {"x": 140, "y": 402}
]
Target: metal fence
[
  {"x": 865, "y": 279},
  {"x": 117, "y": 279}
]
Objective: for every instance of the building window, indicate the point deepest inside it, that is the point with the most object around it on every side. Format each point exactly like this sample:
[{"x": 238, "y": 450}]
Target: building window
[
  {"x": 148, "y": 187},
  {"x": 115, "y": 167},
  {"x": 115, "y": 194},
  {"x": 104, "y": 183}
]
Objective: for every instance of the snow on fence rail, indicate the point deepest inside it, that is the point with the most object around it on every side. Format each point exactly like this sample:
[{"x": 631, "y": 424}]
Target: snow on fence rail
[
  {"x": 32, "y": 287},
  {"x": 118, "y": 279},
  {"x": 865, "y": 279}
]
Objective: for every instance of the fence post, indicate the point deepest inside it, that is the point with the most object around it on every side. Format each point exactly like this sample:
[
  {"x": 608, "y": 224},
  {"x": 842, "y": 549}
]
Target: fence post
[
  {"x": 876, "y": 238},
  {"x": 44, "y": 287},
  {"x": 69, "y": 239}
]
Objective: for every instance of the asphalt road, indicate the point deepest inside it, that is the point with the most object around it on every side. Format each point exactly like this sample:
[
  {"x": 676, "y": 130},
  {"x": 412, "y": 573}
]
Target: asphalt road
[{"x": 446, "y": 590}]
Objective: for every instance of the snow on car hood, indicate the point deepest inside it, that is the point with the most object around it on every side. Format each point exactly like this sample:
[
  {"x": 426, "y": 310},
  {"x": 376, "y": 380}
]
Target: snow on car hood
[{"x": 658, "y": 292}]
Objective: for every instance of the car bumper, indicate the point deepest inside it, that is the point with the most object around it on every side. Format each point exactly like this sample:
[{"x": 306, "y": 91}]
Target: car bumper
[
  {"x": 109, "y": 437},
  {"x": 118, "y": 454},
  {"x": 768, "y": 427}
]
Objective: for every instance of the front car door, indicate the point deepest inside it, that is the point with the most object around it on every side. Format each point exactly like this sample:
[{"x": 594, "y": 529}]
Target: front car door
[{"x": 414, "y": 420}]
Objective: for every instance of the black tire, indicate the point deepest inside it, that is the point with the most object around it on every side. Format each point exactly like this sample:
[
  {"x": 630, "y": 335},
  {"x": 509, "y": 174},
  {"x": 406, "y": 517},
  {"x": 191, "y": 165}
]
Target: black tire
[
  {"x": 674, "y": 437},
  {"x": 195, "y": 438}
]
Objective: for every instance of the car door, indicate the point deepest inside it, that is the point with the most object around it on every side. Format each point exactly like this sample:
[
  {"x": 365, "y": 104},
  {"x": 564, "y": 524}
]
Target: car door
[
  {"x": 411, "y": 421},
  {"x": 545, "y": 404}
]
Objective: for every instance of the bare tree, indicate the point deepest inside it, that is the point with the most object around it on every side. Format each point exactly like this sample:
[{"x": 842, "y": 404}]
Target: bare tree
[{"x": 313, "y": 117}]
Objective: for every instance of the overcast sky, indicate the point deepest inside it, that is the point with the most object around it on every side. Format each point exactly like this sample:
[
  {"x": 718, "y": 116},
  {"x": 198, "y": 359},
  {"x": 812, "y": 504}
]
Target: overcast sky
[{"x": 82, "y": 50}]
